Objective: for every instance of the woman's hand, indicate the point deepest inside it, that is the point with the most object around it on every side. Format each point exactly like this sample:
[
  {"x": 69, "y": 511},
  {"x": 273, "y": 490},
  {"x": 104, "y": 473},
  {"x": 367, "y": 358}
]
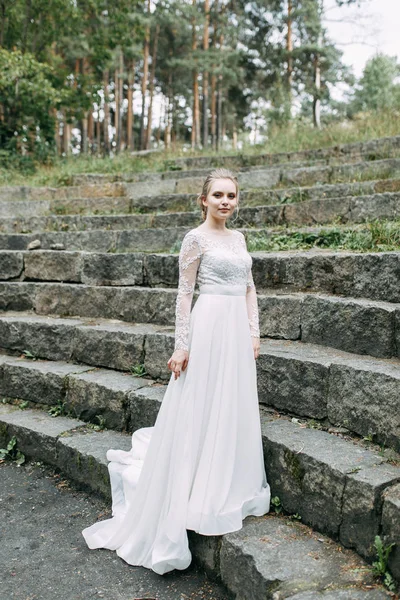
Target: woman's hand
[
  {"x": 256, "y": 346},
  {"x": 178, "y": 362}
]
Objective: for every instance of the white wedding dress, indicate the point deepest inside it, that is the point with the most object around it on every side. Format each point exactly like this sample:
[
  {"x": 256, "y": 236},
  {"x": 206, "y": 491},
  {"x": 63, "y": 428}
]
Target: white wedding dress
[{"x": 201, "y": 466}]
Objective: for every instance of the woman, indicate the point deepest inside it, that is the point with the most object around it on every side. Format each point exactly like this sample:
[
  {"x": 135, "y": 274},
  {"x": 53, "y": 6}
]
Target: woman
[{"x": 201, "y": 466}]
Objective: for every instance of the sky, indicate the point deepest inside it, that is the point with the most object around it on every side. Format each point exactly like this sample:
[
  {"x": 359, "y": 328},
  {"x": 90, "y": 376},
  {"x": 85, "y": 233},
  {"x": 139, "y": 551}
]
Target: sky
[{"x": 361, "y": 32}]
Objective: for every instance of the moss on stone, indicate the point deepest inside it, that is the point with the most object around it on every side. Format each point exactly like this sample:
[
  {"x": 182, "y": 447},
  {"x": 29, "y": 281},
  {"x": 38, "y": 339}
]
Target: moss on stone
[{"x": 294, "y": 466}]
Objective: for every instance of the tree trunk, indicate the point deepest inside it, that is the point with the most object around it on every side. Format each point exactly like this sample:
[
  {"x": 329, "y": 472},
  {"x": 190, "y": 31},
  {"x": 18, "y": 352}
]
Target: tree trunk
[
  {"x": 162, "y": 108},
  {"x": 195, "y": 138},
  {"x": 27, "y": 21},
  {"x": 57, "y": 138},
  {"x": 118, "y": 87},
  {"x": 131, "y": 80},
  {"x": 106, "y": 122},
  {"x": 219, "y": 101},
  {"x": 91, "y": 130},
  {"x": 98, "y": 136},
  {"x": 219, "y": 113},
  {"x": 289, "y": 49},
  {"x": 234, "y": 136},
  {"x": 151, "y": 90},
  {"x": 2, "y": 21},
  {"x": 214, "y": 111},
  {"x": 205, "y": 73},
  {"x": 317, "y": 87},
  {"x": 214, "y": 87},
  {"x": 66, "y": 135},
  {"x": 167, "y": 129},
  {"x": 84, "y": 133},
  {"x": 77, "y": 73},
  {"x": 116, "y": 99},
  {"x": 168, "y": 111},
  {"x": 121, "y": 100},
  {"x": 85, "y": 119},
  {"x": 145, "y": 77}
]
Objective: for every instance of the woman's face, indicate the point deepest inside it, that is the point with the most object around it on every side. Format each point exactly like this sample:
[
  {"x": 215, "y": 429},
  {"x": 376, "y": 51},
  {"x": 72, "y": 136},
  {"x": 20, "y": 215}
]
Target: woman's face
[{"x": 221, "y": 199}]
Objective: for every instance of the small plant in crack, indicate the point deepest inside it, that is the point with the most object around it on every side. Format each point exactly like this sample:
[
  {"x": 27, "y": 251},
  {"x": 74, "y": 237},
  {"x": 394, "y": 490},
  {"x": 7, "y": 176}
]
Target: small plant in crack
[
  {"x": 58, "y": 409},
  {"x": 29, "y": 354},
  {"x": 277, "y": 504},
  {"x": 380, "y": 566},
  {"x": 12, "y": 452},
  {"x": 138, "y": 370},
  {"x": 101, "y": 425},
  {"x": 295, "y": 517},
  {"x": 313, "y": 424}
]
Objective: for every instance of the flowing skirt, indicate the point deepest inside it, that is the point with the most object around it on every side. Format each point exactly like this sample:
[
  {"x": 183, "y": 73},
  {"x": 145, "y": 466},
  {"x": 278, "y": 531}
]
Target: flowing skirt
[{"x": 201, "y": 466}]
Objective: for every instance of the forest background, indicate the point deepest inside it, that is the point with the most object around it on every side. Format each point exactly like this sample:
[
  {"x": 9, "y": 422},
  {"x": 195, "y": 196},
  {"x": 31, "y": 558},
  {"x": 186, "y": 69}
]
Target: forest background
[{"x": 225, "y": 74}]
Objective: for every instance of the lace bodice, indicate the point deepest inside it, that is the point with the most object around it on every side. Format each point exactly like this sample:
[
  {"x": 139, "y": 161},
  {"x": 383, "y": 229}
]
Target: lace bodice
[{"x": 208, "y": 258}]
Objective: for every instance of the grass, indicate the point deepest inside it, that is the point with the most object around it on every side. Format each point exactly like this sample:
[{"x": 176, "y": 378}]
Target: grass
[
  {"x": 301, "y": 136},
  {"x": 295, "y": 137},
  {"x": 376, "y": 236}
]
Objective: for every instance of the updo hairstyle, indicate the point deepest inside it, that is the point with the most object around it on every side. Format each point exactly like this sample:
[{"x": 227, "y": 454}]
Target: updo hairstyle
[{"x": 211, "y": 177}]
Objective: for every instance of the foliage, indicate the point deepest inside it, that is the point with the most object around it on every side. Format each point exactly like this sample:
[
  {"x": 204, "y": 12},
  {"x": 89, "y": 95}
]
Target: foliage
[
  {"x": 27, "y": 97},
  {"x": 380, "y": 566},
  {"x": 377, "y": 89},
  {"x": 59, "y": 67},
  {"x": 297, "y": 136},
  {"x": 277, "y": 505},
  {"x": 59, "y": 409},
  {"x": 375, "y": 236},
  {"x": 138, "y": 370},
  {"x": 12, "y": 452}
]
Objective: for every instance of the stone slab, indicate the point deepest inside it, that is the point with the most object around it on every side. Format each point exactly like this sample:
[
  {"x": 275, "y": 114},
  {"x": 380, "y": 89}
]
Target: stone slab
[
  {"x": 44, "y": 337},
  {"x": 11, "y": 264},
  {"x": 391, "y": 527},
  {"x": 102, "y": 393},
  {"x": 42, "y": 382},
  {"x": 279, "y": 559},
  {"x": 36, "y": 431},
  {"x": 333, "y": 484}
]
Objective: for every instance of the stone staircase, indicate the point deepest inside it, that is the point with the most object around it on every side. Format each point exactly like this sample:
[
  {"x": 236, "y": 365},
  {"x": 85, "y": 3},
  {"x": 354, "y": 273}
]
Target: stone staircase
[{"x": 87, "y": 330}]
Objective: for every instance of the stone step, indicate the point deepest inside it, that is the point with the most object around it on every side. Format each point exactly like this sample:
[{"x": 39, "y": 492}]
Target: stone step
[
  {"x": 202, "y": 172},
  {"x": 125, "y": 197},
  {"x": 351, "y": 324},
  {"x": 372, "y": 275},
  {"x": 322, "y": 569},
  {"x": 168, "y": 239},
  {"x": 349, "y": 209},
  {"x": 344, "y": 273},
  {"x": 69, "y": 201},
  {"x": 370, "y": 150},
  {"x": 51, "y": 194},
  {"x": 272, "y": 177},
  {"x": 358, "y": 392},
  {"x": 355, "y": 325},
  {"x": 334, "y": 485},
  {"x": 99, "y": 240}
]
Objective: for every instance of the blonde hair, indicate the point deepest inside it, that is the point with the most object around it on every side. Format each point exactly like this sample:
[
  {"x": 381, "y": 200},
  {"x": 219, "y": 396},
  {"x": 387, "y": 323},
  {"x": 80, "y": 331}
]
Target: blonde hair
[{"x": 211, "y": 177}]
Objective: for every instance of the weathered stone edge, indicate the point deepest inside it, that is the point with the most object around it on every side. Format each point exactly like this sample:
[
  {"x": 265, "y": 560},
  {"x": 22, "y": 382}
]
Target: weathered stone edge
[{"x": 62, "y": 451}]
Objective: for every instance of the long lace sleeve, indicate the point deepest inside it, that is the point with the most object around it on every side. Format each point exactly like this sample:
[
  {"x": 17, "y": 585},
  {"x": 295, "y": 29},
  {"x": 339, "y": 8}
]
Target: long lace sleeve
[
  {"x": 189, "y": 260},
  {"x": 251, "y": 300},
  {"x": 252, "y": 307}
]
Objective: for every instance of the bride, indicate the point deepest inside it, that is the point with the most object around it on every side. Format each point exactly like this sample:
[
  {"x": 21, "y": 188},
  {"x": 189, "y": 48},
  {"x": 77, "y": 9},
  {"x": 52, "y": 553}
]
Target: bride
[{"x": 201, "y": 466}]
